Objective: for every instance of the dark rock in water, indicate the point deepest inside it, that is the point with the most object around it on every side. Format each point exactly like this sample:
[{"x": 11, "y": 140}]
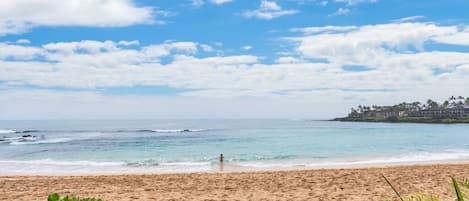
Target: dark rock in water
[{"x": 186, "y": 130}]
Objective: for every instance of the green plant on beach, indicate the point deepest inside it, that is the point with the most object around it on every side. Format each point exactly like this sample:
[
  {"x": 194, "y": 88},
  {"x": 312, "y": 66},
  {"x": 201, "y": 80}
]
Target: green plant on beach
[
  {"x": 419, "y": 197},
  {"x": 56, "y": 197},
  {"x": 460, "y": 193}
]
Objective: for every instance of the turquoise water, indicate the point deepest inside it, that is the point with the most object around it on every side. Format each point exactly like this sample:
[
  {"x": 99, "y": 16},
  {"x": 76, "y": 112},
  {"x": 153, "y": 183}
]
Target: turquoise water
[{"x": 194, "y": 145}]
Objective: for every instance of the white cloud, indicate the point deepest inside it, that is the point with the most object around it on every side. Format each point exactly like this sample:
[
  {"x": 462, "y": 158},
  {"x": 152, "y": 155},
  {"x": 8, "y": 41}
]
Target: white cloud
[
  {"x": 20, "y": 16},
  {"x": 128, "y": 43},
  {"x": 220, "y": 2},
  {"x": 341, "y": 11},
  {"x": 19, "y": 52},
  {"x": 268, "y": 10},
  {"x": 23, "y": 41},
  {"x": 246, "y": 47},
  {"x": 408, "y": 19},
  {"x": 367, "y": 42},
  {"x": 354, "y": 2},
  {"x": 85, "y": 45},
  {"x": 218, "y": 43},
  {"x": 396, "y": 54},
  {"x": 324, "y": 29},
  {"x": 323, "y": 3},
  {"x": 288, "y": 60},
  {"x": 206, "y": 48},
  {"x": 458, "y": 38},
  {"x": 198, "y": 3}
]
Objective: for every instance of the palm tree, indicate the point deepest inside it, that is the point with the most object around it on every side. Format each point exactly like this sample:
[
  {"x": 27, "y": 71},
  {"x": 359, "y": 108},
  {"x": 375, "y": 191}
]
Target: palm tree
[
  {"x": 417, "y": 105},
  {"x": 353, "y": 112},
  {"x": 445, "y": 104},
  {"x": 432, "y": 104}
]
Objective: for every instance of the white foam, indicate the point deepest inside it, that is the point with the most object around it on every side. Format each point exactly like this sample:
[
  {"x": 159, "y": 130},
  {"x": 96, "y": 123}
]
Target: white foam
[
  {"x": 177, "y": 130},
  {"x": 7, "y": 131},
  {"x": 418, "y": 157},
  {"x": 185, "y": 164},
  {"x": 49, "y": 166},
  {"x": 50, "y": 141},
  {"x": 54, "y": 167},
  {"x": 63, "y": 163}
]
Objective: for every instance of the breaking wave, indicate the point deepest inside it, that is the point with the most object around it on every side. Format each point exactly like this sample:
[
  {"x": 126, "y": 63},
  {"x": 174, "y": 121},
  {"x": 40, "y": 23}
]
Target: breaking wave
[
  {"x": 13, "y": 131},
  {"x": 63, "y": 163},
  {"x": 7, "y": 131},
  {"x": 173, "y": 130},
  {"x": 51, "y": 141}
]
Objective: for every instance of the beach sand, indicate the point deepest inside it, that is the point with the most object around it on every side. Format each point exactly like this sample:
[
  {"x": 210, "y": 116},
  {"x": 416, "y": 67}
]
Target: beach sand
[{"x": 324, "y": 184}]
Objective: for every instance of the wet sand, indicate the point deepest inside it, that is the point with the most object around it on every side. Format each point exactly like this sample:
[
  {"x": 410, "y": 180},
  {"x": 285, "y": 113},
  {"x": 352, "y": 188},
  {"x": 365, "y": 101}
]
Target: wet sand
[{"x": 324, "y": 184}]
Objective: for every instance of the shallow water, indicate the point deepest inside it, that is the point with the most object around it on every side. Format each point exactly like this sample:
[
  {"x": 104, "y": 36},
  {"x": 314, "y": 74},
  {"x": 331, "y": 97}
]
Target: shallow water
[{"x": 90, "y": 147}]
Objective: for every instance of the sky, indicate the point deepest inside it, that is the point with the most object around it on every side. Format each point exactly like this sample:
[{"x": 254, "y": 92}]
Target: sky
[{"x": 185, "y": 59}]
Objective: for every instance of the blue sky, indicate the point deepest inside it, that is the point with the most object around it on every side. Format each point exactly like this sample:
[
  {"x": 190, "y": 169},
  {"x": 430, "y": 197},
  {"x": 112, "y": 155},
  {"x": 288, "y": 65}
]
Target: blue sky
[{"x": 227, "y": 58}]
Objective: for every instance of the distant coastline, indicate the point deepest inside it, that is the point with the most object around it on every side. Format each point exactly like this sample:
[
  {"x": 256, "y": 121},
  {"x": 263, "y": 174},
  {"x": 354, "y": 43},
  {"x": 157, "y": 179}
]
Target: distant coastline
[
  {"x": 453, "y": 110},
  {"x": 406, "y": 120}
]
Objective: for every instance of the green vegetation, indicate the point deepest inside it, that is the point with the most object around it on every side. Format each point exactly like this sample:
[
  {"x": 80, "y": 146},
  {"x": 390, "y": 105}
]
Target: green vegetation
[
  {"x": 460, "y": 193},
  {"x": 453, "y": 110},
  {"x": 56, "y": 197}
]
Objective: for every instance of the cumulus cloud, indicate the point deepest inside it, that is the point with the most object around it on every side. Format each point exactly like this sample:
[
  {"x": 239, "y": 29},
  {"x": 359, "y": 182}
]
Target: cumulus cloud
[
  {"x": 367, "y": 42},
  {"x": 457, "y": 38},
  {"x": 19, "y": 52},
  {"x": 20, "y": 16},
  {"x": 268, "y": 10},
  {"x": 128, "y": 43},
  {"x": 395, "y": 52},
  {"x": 288, "y": 60}
]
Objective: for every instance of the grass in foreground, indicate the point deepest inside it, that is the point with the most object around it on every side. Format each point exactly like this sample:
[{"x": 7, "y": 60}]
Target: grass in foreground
[
  {"x": 56, "y": 197},
  {"x": 460, "y": 194}
]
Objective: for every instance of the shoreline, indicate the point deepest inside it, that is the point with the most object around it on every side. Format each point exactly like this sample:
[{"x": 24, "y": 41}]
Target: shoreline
[
  {"x": 227, "y": 168},
  {"x": 349, "y": 183}
]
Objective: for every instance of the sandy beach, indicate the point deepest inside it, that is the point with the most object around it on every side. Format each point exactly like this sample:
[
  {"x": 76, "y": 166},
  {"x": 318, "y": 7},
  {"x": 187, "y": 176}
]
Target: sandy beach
[{"x": 324, "y": 184}]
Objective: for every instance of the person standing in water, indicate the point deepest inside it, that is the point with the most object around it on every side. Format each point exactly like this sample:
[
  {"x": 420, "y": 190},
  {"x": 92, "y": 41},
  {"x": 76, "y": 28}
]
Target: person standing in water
[{"x": 221, "y": 161}]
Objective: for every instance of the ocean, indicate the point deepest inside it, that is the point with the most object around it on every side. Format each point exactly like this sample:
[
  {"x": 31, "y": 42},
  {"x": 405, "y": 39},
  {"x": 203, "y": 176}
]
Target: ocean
[{"x": 167, "y": 146}]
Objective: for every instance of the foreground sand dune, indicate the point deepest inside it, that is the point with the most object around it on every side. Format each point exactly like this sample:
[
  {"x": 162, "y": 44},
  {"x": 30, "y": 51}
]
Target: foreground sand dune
[{"x": 328, "y": 184}]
